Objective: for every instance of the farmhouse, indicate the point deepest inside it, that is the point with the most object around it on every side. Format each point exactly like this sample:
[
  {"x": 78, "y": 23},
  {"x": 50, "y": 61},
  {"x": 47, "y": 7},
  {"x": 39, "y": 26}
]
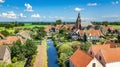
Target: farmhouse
[
  {"x": 5, "y": 54},
  {"x": 10, "y": 40},
  {"x": 90, "y": 35},
  {"x": 82, "y": 59}
]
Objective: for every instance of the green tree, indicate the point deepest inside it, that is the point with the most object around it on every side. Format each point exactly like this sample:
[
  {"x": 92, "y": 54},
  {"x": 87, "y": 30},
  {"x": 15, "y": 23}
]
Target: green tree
[
  {"x": 14, "y": 59},
  {"x": 85, "y": 46},
  {"x": 62, "y": 60},
  {"x": 30, "y": 49},
  {"x": 67, "y": 49},
  {"x": 17, "y": 50},
  {"x": 105, "y": 23},
  {"x": 5, "y": 32},
  {"x": 58, "y": 21}
]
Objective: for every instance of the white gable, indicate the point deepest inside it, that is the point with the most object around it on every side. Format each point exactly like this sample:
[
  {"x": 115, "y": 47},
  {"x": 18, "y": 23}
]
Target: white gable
[{"x": 96, "y": 62}]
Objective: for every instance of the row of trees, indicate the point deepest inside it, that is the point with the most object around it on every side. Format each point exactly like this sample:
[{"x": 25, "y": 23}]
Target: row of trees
[
  {"x": 106, "y": 23},
  {"x": 11, "y": 24},
  {"x": 21, "y": 51},
  {"x": 38, "y": 33}
]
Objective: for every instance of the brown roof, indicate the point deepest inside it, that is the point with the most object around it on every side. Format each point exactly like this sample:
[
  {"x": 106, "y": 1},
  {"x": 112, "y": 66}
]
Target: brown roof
[
  {"x": 111, "y": 27},
  {"x": 2, "y": 51},
  {"x": 47, "y": 28},
  {"x": 2, "y": 35},
  {"x": 108, "y": 27},
  {"x": 111, "y": 55},
  {"x": 80, "y": 58},
  {"x": 66, "y": 26},
  {"x": 58, "y": 27},
  {"x": 10, "y": 40},
  {"x": 91, "y": 32},
  {"x": 96, "y": 48}
]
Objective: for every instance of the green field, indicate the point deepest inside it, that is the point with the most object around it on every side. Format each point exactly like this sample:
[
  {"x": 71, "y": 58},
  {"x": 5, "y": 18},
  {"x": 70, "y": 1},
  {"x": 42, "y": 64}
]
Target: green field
[
  {"x": 11, "y": 30},
  {"x": 116, "y": 26},
  {"x": 31, "y": 26}
]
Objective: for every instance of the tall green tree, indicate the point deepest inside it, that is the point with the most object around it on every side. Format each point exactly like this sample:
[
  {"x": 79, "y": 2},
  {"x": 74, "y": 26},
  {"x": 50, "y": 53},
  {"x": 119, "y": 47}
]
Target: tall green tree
[
  {"x": 58, "y": 21},
  {"x": 30, "y": 49}
]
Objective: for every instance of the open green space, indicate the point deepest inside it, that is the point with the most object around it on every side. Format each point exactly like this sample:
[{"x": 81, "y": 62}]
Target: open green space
[
  {"x": 116, "y": 26},
  {"x": 19, "y": 64},
  {"x": 28, "y": 25}
]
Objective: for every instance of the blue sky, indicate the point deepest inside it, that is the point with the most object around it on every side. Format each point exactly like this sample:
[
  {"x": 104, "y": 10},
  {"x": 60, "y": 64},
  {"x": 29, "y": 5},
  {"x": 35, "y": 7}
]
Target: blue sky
[{"x": 66, "y": 10}]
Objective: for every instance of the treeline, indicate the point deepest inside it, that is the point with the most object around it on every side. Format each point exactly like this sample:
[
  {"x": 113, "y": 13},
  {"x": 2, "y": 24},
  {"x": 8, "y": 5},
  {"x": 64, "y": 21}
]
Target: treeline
[
  {"x": 11, "y": 25},
  {"x": 106, "y": 23},
  {"x": 52, "y": 23}
]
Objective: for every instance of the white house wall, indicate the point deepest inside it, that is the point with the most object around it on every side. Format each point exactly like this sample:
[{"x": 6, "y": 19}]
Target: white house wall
[
  {"x": 98, "y": 64},
  {"x": 113, "y": 64}
]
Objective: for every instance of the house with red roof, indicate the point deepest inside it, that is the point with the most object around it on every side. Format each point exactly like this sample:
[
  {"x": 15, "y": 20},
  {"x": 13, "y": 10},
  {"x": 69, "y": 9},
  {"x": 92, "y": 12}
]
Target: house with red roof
[
  {"x": 109, "y": 57},
  {"x": 82, "y": 59},
  {"x": 107, "y": 29},
  {"x": 10, "y": 40},
  {"x": 90, "y": 35},
  {"x": 107, "y": 54}
]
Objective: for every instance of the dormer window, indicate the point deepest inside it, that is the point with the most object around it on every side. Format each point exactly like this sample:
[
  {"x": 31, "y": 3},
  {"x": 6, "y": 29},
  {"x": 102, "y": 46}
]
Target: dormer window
[
  {"x": 100, "y": 58},
  {"x": 90, "y": 52}
]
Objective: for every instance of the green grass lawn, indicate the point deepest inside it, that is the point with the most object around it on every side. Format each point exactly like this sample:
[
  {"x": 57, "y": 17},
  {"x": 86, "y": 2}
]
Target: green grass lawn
[
  {"x": 9, "y": 30},
  {"x": 117, "y": 26},
  {"x": 19, "y": 64}
]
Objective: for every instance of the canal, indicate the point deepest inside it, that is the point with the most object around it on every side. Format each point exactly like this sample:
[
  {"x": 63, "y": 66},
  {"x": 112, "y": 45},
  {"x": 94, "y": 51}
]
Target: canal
[{"x": 52, "y": 54}]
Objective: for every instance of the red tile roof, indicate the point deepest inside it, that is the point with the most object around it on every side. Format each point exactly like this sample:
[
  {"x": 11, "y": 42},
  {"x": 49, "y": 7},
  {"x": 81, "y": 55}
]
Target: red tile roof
[
  {"x": 10, "y": 40},
  {"x": 96, "y": 48},
  {"x": 110, "y": 55},
  {"x": 91, "y": 32},
  {"x": 80, "y": 58},
  {"x": 108, "y": 27},
  {"x": 47, "y": 28}
]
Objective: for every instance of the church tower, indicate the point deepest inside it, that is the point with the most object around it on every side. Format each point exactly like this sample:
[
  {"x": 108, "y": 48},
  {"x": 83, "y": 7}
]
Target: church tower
[{"x": 78, "y": 22}]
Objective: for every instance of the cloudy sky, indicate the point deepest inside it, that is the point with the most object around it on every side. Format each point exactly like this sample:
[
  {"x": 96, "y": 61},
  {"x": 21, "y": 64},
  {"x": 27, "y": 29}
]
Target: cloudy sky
[{"x": 67, "y": 10}]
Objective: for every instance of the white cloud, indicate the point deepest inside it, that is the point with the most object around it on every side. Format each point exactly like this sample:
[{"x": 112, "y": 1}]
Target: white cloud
[
  {"x": 9, "y": 14},
  {"x": 2, "y": 1},
  {"x": 116, "y": 2},
  {"x": 22, "y": 16},
  {"x": 28, "y": 7},
  {"x": 92, "y": 4},
  {"x": 35, "y": 16},
  {"x": 112, "y": 16},
  {"x": 78, "y": 9},
  {"x": 56, "y": 17}
]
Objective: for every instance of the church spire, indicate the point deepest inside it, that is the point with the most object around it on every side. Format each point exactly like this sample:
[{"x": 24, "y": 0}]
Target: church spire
[{"x": 78, "y": 22}]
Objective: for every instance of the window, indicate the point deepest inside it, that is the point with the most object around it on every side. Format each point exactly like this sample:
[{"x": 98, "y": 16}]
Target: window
[
  {"x": 93, "y": 65},
  {"x": 91, "y": 52},
  {"x": 100, "y": 58}
]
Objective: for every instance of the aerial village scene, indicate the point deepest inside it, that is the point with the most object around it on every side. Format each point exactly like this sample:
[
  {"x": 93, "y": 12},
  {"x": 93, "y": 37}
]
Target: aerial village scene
[{"x": 59, "y": 33}]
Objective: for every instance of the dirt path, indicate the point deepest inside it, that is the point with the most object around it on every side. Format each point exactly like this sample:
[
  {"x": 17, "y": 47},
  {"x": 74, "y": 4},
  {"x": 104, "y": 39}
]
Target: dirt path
[{"x": 41, "y": 56}]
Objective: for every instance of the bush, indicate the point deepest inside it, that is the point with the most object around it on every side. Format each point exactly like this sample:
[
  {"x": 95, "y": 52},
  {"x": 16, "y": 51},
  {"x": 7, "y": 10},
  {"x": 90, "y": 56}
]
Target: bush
[
  {"x": 33, "y": 60},
  {"x": 14, "y": 59},
  {"x": 10, "y": 65}
]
